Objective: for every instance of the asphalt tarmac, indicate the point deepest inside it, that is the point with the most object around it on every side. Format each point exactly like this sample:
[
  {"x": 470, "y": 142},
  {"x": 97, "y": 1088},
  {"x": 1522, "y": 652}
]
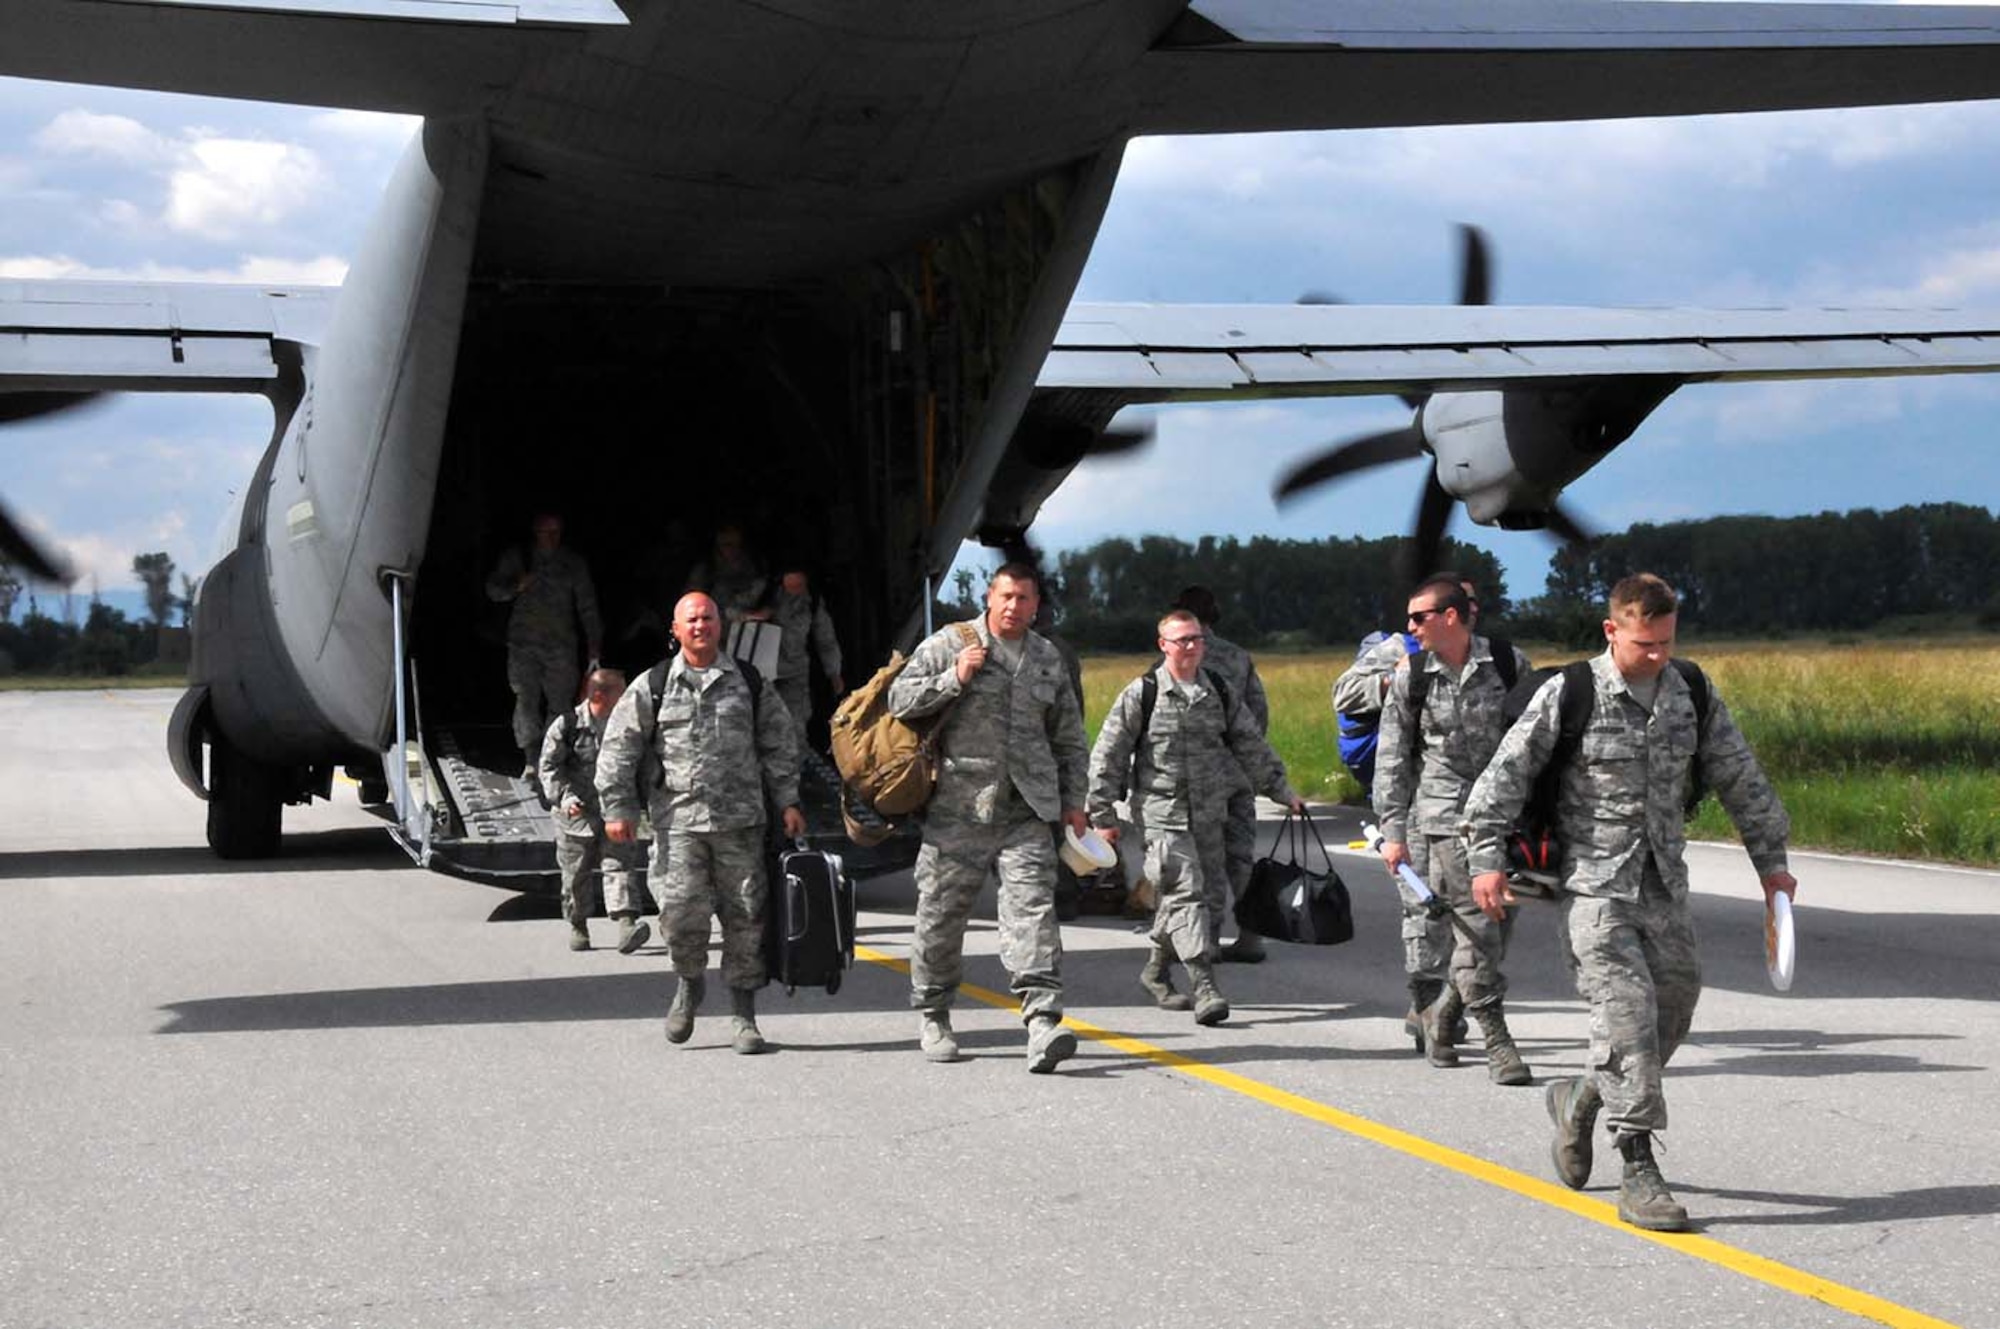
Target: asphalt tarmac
[{"x": 333, "y": 1089}]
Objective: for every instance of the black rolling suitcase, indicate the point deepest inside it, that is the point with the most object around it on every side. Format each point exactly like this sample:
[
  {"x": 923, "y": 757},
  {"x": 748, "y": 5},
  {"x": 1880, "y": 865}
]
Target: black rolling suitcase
[{"x": 809, "y": 922}]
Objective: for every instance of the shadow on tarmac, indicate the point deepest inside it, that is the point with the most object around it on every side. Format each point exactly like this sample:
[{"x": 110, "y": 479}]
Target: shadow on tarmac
[
  {"x": 1820, "y": 1210},
  {"x": 351, "y": 848}
]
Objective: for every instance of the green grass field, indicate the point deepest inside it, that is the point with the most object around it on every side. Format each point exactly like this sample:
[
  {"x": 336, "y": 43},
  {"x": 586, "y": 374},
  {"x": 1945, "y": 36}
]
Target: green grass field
[{"x": 1878, "y": 748}]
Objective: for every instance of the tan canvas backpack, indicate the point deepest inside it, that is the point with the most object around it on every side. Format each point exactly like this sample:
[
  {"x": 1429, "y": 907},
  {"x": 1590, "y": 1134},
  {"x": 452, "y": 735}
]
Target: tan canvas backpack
[{"x": 890, "y": 764}]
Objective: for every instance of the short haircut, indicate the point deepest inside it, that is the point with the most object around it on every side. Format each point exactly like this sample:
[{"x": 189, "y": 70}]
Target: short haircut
[
  {"x": 1178, "y": 616},
  {"x": 1201, "y": 602},
  {"x": 1643, "y": 595},
  {"x": 1018, "y": 571},
  {"x": 606, "y": 678},
  {"x": 1447, "y": 591}
]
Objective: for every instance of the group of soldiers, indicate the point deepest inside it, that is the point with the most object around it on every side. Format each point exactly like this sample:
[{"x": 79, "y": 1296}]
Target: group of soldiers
[
  {"x": 1452, "y": 778},
  {"x": 709, "y": 745}
]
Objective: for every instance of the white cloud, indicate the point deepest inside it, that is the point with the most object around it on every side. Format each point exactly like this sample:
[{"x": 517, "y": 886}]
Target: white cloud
[
  {"x": 225, "y": 185},
  {"x": 117, "y": 137},
  {"x": 325, "y": 270},
  {"x": 370, "y": 126}
]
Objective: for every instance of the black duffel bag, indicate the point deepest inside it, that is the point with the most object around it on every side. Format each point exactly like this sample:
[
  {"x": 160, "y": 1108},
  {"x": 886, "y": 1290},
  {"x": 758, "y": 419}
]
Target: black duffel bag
[{"x": 1288, "y": 901}]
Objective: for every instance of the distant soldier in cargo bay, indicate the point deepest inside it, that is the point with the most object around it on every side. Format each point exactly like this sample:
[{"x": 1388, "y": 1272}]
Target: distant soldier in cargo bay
[{"x": 551, "y": 591}]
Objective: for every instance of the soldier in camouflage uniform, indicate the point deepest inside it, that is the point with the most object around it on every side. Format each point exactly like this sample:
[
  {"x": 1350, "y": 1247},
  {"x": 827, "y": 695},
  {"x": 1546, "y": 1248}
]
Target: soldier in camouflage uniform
[
  {"x": 1238, "y": 672},
  {"x": 1424, "y": 767},
  {"x": 711, "y": 756},
  {"x": 1625, "y": 915},
  {"x": 569, "y": 775},
  {"x": 1198, "y": 750},
  {"x": 551, "y": 591},
  {"x": 1012, "y": 761},
  {"x": 1427, "y": 942},
  {"x": 734, "y": 576},
  {"x": 807, "y": 629}
]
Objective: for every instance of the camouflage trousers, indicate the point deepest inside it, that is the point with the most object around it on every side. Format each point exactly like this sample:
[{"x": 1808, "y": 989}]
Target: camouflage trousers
[
  {"x": 797, "y": 692},
  {"x": 1637, "y": 963},
  {"x": 700, "y": 875},
  {"x": 544, "y": 679},
  {"x": 1239, "y": 848},
  {"x": 1480, "y": 944},
  {"x": 579, "y": 859},
  {"x": 1427, "y": 943},
  {"x": 952, "y": 867},
  {"x": 1190, "y": 870}
]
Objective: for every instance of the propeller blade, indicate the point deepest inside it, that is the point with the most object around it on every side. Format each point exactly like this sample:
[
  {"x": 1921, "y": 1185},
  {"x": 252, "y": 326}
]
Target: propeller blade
[
  {"x": 1475, "y": 272},
  {"x": 1355, "y": 455},
  {"x": 1116, "y": 442},
  {"x": 1562, "y": 523},
  {"x": 16, "y": 548},
  {"x": 18, "y": 406},
  {"x": 1433, "y": 516}
]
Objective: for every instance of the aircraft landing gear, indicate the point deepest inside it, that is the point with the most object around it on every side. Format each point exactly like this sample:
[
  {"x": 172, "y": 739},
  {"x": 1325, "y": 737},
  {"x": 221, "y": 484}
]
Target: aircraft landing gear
[{"x": 246, "y": 804}]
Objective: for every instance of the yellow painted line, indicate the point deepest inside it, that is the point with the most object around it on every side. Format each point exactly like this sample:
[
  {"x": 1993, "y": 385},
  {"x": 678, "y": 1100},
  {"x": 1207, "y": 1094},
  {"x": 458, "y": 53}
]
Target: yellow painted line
[{"x": 1781, "y": 1276}]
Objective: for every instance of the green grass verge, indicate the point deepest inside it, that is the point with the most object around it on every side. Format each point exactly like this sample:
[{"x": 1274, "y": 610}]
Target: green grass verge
[{"x": 1889, "y": 748}]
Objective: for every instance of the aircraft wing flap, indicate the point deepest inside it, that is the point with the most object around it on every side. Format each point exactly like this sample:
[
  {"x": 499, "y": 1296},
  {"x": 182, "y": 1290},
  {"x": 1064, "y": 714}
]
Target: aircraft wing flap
[
  {"x": 150, "y": 336},
  {"x": 1255, "y": 65},
  {"x": 1159, "y": 352}
]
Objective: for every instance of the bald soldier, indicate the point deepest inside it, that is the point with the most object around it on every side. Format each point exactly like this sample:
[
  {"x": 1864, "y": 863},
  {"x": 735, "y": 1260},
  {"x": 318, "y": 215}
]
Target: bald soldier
[
  {"x": 569, "y": 778},
  {"x": 1011, "y": 763},
  {"x": 1620, "y": 811},
  {"x": 710, "y": 754}
]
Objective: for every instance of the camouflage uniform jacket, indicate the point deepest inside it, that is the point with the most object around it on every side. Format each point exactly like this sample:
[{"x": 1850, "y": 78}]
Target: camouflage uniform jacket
[
  {"x": 568, "y": 767},
  {"x": 1023, "y": 728},
  {"x": 547, "y": 612},
  {"x": 1622, "y": 797},
  {"x": 1196, "y": 754},
  {"x": 1360, "y": 690},
  {"x": 706, "y": 773},
  {"x": 1238, "y": 672},
  {"x": 805, "y": 623},
  {"x": 1421, "y": 780}
]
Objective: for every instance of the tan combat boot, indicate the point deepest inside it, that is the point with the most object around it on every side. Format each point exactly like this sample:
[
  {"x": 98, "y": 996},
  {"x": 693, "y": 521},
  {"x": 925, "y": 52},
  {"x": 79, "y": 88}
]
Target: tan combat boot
[
  {"x": 1441, "y": 1027},
  {"x": 1210, "y": 1006},
  {"x": 935, "y": 1037},
  {"x": 1643, "y": 1198},
  {"x": 1573, "y": 1106},
  {"x": 1503, "y": 1059},
  {"x": 632, "y": 933},
  {"x": 687, "y": 1000},
  {"x": 1157, "y": 981},
  {"x": 746, "y": 1037}
]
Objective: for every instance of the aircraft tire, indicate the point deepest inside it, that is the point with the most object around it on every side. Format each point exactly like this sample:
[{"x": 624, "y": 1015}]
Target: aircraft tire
[{"x": 245, "y": 808}]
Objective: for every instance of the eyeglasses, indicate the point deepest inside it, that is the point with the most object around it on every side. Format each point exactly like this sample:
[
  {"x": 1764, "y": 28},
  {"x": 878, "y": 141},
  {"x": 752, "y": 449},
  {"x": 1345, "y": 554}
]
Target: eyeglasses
[
  {"x": 1184, "y": 643},
  {"x": 1420, "y": 617}
]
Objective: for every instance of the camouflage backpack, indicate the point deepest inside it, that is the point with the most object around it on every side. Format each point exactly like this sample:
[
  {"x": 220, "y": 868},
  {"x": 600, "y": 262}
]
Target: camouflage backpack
[{"x": 888, "y": 763}]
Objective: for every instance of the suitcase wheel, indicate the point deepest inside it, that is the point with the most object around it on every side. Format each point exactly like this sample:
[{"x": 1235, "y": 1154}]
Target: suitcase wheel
[{"x": 833, "y": 985}]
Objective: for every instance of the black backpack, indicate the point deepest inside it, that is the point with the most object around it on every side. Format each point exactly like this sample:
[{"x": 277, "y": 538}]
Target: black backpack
[{"x": 1579, "y": 699}]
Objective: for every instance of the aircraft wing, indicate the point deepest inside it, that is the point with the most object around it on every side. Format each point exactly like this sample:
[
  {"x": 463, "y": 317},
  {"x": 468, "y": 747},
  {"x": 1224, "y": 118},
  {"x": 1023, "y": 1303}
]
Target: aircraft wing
[
  {"x": 70, "y": 337},
  {"x": 1245, "y": 65},
  {"x": 1146, "y": 352},
  {"x": 419, "y": 57}
]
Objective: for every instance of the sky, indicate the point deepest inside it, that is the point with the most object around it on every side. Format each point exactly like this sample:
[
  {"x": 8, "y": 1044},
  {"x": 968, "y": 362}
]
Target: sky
[{"x": 1891, "y": 206}]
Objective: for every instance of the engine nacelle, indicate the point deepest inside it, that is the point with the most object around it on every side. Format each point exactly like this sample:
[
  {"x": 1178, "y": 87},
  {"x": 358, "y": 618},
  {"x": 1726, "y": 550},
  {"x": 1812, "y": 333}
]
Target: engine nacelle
[{"x": 1507, "y": 455}]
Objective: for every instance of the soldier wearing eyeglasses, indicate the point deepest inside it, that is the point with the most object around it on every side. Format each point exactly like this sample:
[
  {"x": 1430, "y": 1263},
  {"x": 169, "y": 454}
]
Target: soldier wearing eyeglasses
[{"x": 1199, "y": 749}]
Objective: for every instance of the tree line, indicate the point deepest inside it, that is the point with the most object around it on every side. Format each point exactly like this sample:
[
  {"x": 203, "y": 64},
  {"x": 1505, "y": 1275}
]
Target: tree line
[
  {"x": 1738, "y": 576},
  {"x": 106, "y": 643}
]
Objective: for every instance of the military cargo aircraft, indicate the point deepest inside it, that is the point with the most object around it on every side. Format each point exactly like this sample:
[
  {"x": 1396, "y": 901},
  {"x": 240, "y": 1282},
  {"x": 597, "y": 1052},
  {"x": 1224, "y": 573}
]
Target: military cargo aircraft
[{"x": 817, "y": 256}]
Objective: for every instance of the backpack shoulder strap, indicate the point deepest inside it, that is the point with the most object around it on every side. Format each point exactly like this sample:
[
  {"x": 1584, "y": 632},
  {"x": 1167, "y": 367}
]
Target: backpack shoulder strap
[
  {"x": 1149, "y": 697},
  {"x": 1698, "y": 688},
  {"x": 1503, "y": 660},
  {"x": 756, "y": 682},
  {"x": 1420, "y": 689},
  {"x": 1579, "y": 698},
  {"x": 569, "y": 729},
  {"x": 656, "y": 682},
  {"x": 1214, "y": 681}
]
